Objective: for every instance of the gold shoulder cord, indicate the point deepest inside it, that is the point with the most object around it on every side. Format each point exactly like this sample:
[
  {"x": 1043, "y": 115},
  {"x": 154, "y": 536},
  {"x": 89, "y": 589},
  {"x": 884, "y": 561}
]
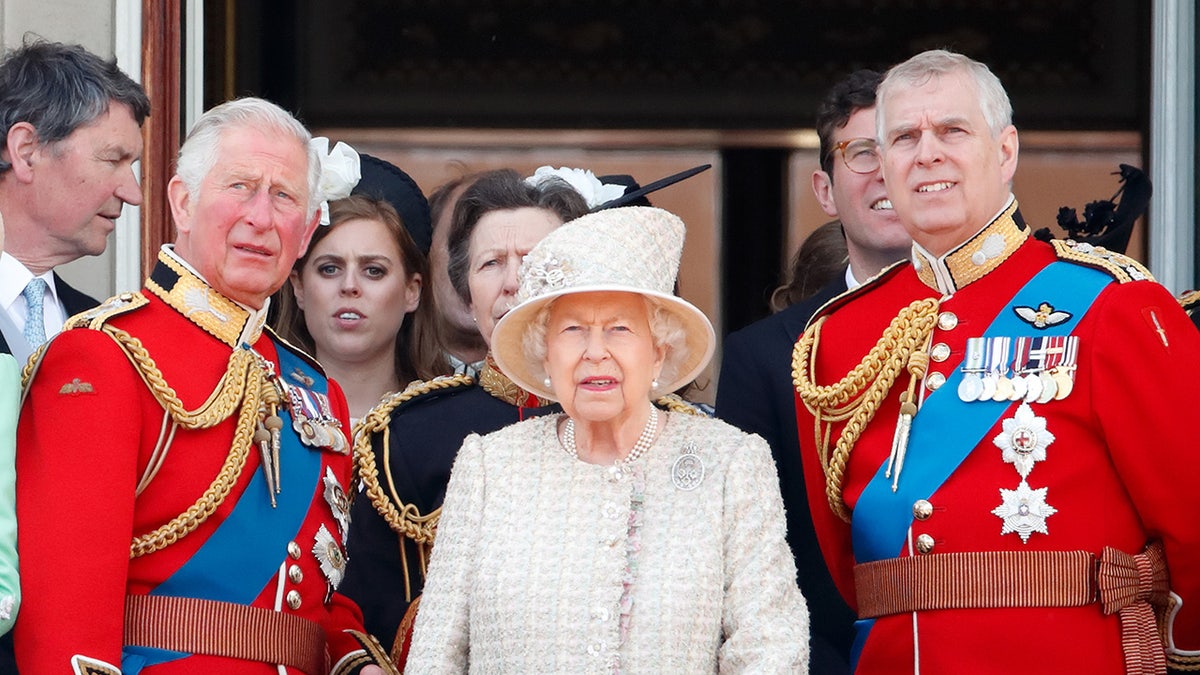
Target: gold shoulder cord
[
  {"x": 244, "y": 384},
  {"x": 404, "y": 519},
  {"x": 858, "y": 395}
]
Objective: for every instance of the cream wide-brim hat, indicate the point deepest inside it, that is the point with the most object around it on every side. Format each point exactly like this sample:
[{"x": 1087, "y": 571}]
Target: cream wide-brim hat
[{"x": 633, "y": 249}]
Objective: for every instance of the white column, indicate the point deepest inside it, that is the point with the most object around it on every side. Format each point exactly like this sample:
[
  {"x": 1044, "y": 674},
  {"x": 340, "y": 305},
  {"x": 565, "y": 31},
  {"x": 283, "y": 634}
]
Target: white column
[
  {"x": 127, "y": 243},
  {"x": 1173, "y": 143}
]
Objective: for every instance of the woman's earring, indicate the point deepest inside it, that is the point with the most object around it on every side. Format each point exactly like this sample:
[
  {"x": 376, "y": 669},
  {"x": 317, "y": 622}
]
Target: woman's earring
[
  {"x": 654, "y": 383},
  {"x": 546, "y": 381}
]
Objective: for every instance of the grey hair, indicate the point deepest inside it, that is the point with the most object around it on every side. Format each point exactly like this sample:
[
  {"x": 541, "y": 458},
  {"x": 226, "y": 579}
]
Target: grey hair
[
  {"x": 666, "y": 330},
  {"x": 199, "y": 152},
  {"x": 58, "y": 88},
  {"x": 993, "y": 100}
]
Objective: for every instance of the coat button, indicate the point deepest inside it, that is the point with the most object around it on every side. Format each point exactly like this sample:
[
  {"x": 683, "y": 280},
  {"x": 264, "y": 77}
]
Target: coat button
[
  {"x": 934, "y": 381},
  {"x": 294, "y": 550},
  {"x": 293, "y": 599},
  {"x": 922, "y": 509},
  {"x": 924, "y": 543},
  {"x": 940, "y": 352},
  {"x": 295, "y": 574},
  {"x": 947, "y": 320}
]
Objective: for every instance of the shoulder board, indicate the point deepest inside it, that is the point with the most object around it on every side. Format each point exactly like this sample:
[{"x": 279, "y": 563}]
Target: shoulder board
[
  {"x": 1120, "y": 266},
  {"x": 117, "y": 305},
  {"x": 378, "y": 418},
  {"x": 300, "y": 353},
  {"x": 846, "y": 296},
  {"x": 1189, "y": 301},
  {"x": 677, "y": 404}
]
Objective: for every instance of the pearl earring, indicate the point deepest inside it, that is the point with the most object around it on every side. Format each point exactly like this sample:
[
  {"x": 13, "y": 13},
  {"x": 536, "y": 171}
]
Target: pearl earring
[
  {"x": 546, "y": 381},
  {"x": 654, "y": 383}
]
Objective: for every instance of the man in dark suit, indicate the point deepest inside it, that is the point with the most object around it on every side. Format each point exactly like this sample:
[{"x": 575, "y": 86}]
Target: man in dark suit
[
  {"x": 755, "y": 387},
  {"x": 70, "y": 134}
]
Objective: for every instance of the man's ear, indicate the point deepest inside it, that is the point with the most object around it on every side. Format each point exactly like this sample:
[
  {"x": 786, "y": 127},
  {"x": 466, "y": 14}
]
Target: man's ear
[
  {"x": 309, "y": 230},
  {"x": 297, "y": 288},
  {"x": 20, "y": 148},
  {"x": 1009, "y": 148},
  {"x": 822, "y": 185},
  {"x": 180, "y": 200}
]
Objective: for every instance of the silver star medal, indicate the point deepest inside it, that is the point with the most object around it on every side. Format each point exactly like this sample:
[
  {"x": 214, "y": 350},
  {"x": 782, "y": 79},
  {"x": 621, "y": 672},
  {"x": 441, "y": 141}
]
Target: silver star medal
[
  {"x": 330, "y": 557},
  {"x": 1024, "y": 511},
  {"x": 688, "y": 470},
  {"x": 1023, "y": 441},
  {"x": 338, "y": 502}
]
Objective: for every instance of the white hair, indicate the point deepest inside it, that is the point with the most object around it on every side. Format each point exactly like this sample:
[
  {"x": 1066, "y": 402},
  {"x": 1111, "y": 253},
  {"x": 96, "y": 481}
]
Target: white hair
[
  {"x": 199, "y": 152},
  {"x": 993, "y": 100},
  {"x": 666, "y": 330}
]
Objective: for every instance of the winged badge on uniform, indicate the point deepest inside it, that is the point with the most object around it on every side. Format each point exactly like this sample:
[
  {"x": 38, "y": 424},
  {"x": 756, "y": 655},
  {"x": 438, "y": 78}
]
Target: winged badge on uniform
[{"x": 1042, "y": 317}]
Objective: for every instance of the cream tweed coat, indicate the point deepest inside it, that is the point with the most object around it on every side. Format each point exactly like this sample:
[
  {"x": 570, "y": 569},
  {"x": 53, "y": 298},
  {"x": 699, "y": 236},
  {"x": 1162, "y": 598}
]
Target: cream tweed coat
[{"x": 535, "y": 550}]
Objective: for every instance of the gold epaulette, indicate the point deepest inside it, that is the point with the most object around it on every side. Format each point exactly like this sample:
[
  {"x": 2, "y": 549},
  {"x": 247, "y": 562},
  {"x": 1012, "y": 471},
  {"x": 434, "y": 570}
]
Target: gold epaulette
[
  {"x": 404, "y": 519},
  {"x": 1189, "y": 301},
  {"x": 677, "y": 404},
  {"x": 93, "y": 318},
  {"x": 117, "y": 305},
  {"x": 1120, "y": 266}
]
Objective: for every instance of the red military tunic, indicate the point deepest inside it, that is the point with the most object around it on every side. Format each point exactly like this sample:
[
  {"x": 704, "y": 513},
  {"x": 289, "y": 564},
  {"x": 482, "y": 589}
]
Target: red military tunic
[
  {"x": 1120, "y": 471},
  {"x": 88, "y": 435}
]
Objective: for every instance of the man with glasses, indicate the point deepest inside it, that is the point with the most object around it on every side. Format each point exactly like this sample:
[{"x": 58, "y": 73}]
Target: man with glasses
[{"x": 755, "y": 388}]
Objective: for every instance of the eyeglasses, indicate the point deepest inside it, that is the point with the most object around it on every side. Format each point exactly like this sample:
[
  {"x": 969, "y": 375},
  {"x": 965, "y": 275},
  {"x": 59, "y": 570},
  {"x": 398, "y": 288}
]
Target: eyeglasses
[{"x": 859, "y": 154}]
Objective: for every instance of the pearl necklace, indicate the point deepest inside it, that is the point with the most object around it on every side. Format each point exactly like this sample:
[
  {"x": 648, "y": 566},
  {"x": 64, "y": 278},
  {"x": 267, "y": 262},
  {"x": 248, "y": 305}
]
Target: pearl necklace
[{"x": 644, "y": 441}]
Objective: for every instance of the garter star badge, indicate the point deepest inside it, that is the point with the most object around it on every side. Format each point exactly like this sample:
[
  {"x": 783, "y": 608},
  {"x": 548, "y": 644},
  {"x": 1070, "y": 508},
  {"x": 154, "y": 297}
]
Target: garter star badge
[
  {"x": 1024, "y": 511},
  {"x": 1024, "y": 439}
]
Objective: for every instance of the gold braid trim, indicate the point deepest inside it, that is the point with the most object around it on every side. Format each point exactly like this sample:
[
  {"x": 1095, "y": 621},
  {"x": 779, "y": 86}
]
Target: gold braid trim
[
  {"x": 677, "y": 404},
  {"x": 244, "y": 383},
  {"x": 1189, "y": 301},
  {"x": 404, "y": 519},
  {"x": 1122, "y": 268},
  {"x": 858, "y": 395}
]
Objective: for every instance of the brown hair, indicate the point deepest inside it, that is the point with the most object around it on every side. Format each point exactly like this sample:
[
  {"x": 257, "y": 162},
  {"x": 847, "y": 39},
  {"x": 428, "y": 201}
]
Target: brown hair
[
  {"x": 419, "y": 353},
  {"x": 818, "y": 261},
  {"x": 501, "y": 190}
]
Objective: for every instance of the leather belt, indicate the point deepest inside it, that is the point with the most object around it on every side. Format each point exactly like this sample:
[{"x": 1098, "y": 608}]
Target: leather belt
[
  {"x": 225, "y": 629},
  {"x": 1122, "y": 583}
]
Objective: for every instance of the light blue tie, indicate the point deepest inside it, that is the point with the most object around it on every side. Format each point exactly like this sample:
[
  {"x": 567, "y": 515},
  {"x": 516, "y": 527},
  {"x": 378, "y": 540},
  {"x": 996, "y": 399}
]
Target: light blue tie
[{"x": 35, "y": 324}]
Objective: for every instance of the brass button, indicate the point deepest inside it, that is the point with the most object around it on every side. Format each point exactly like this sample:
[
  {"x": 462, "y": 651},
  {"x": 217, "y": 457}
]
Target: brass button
[
  {"x": 295, "y": 574},
  {"x": 294, "y": 550},
  {"x": 922, "y": 509},
  {"x": 934, "y": 380},
  {"x": 293, "y": 599},
  {"x": 924, "y": 544},
  {"x": 940, "y": 352},
  {"x": 947, "y": 320}
]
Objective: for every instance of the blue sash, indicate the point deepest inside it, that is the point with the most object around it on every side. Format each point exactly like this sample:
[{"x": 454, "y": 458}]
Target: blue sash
[{"x": 243, "y": 555}]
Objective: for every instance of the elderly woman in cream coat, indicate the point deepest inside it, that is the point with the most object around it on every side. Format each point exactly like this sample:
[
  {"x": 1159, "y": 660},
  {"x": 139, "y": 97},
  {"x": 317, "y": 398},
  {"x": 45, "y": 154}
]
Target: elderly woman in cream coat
[{"x": 613, "y": 537}]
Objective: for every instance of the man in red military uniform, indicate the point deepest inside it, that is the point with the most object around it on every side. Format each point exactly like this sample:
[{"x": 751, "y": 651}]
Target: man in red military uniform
[
  {"x": 1000, "y": 477},
  {"x": 182, "y": 502}
]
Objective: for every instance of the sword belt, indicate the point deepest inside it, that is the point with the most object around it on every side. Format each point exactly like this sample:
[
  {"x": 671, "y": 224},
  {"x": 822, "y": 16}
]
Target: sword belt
[
  {"x": 225, "y": 629},
  {"x": 1121, "y": 583}
]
